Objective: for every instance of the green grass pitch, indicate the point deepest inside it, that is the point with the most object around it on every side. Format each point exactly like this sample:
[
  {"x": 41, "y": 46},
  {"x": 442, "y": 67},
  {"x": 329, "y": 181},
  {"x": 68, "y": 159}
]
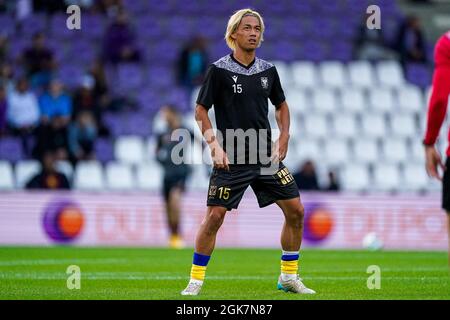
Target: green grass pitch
[{"x": 233, "y": 274}]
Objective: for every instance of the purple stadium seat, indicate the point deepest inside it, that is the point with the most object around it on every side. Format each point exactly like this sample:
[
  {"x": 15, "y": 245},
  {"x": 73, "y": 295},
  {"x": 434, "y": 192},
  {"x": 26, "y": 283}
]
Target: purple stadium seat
[
  {"x": 190, "y": 7},
  {"x": 34, "y": 23},
  {"x": 314, "y": 51},
  {"x": 96, "y": 25},
  {"x": 218, "y": 49},
  {"x": 130, "y": 76},
  {"x": 182, "y": 28},
  {"x": 160, "y": 77},
  {"x": 70, "y": 74},
  {"x": 59, "y": 30},
  {"x": 136, "y": 8},
  {"x": 115, "y": 123},
  {"x": 323, "y": 28},
  {"x": 285, "y": 51},
  {"x": 17, "y": 47},
  {"x": 293, "y": 28},
  {"x": 162, "y": 7},
  {"x": 275, "y": 8},
  {"x": 139, "y": 124},
  {"x": 164, "y": 52},
  {"x": 148, "y": 99},
  {"x": 419, "y": 74},
  {"x": 11, "y": 149},
  {"x": 210, "y": 27},
  {"x": 7, "y": 24},
  {"x": 342, "y": 51},
  {"x": 104, "y": 150},
  {"x": 177, "y": 96},
  {"x": 302, "y": 8}
]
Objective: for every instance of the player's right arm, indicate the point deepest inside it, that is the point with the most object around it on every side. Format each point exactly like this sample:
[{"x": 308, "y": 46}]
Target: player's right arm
[
  {"x": 207, "y": 97},
  {"x": 218, "y": 155}
]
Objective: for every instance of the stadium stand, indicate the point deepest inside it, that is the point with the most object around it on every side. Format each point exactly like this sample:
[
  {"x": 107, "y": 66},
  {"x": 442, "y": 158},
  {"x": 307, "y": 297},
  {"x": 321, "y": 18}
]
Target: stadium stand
[{"x": 363, "y": 118}]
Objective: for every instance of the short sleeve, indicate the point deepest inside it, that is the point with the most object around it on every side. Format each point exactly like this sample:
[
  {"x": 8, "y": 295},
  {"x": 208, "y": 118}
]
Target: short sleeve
[
  {"x": 276, "y": 93},
  {"x": 206, "y": 95}
]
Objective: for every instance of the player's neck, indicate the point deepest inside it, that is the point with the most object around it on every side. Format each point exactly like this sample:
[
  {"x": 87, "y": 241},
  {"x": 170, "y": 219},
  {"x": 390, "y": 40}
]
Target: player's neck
[{"x": 244, "y": 57}]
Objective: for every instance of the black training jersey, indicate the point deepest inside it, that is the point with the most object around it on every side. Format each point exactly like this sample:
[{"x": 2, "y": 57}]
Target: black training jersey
[{"x": 240, "y": 96}]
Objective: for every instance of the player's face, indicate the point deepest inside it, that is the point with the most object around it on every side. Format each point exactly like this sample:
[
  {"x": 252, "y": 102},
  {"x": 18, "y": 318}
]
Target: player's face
[{"x": 248, "y": 33}]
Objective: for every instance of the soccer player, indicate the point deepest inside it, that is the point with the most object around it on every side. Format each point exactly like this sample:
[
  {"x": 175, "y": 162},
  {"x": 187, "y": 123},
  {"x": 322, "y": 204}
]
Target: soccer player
[
  {"x": 239, "y": 86},
  {"x": 175, "y": 175},
  {"x": 436, "y": 114}
]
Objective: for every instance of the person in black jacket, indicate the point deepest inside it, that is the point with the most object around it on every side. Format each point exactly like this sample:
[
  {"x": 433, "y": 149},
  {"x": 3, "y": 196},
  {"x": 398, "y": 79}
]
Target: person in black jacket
[
  {"x": 411, "y": 41},
  {"x": 175, "y": 175},
  {"x": 49, "y": 177},
  {"x": 193, "y": 63},
  {"x": 306, "y": 178}
]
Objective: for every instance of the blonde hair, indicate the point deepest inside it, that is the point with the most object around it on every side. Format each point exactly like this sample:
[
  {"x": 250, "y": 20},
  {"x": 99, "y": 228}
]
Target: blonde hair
[{"x": 234, "y": 22}]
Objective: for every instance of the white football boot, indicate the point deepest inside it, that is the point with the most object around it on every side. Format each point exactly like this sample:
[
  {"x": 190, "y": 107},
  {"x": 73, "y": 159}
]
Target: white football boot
[
  {"x": 193, "y": 288},
  {"x": 294, "y": 285}
]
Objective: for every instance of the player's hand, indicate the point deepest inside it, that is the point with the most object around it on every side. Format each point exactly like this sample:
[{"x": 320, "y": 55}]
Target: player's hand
[
  {"x": 219, "y": 157},
  {"x": 433, "y": 160},
  {"x": 280, "y": 148}
]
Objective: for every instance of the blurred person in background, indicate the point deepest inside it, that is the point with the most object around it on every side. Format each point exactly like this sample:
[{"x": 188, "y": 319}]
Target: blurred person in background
[
  {"x": 437, "y": 109},
  {"x": 55, "y": 103},
  {"x": 82, "y": 135},
  {"x": 39, "y": 61},
  {"x": 23, "y": 10},
  {"x": 85, "y": 99},
  {"x": 193, "y": 63},
  {"x": 333, "y": 183},
  {"x": 56, "y": 111},
  {"x": 306, "y": 177},
  {"x": 369, "y": 44},
  {"x": 3, "y": 48},
  {"x": 23, "y": 113},
  {"x": 49, "y": 6},
  {"x": 7, "y": 77},
  {"x": 100, "y": 82},
  {"x": 410, "y": 42},
  {"x": 3, "y": 110},
  {"x": 109, "y": 7},
  {"x": 101, "y": 89},
  {"x": 175, "y": 175},
  {"x": 3, "y": 6},
  {"x": 49, "y": 178},
  {"x": 120, "y": 41},
  {"x": 85, "y": 5}
]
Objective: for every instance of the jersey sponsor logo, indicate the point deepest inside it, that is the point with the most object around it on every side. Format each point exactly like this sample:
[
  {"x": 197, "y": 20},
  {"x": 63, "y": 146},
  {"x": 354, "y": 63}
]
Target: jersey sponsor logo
[
  {"x": 212, "y": 191},
  {"x": 264, "y": 82},
  {"x": 235, "y": 78},
  {"x": 284, "y": 176}
]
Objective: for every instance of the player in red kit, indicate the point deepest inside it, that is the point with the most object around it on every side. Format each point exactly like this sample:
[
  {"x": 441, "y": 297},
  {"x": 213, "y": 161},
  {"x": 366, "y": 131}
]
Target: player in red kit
[{"x": 436, "y": 114}]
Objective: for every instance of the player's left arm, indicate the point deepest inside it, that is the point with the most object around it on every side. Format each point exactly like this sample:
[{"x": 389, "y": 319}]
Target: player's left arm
[{"x": 283, "y": 120}]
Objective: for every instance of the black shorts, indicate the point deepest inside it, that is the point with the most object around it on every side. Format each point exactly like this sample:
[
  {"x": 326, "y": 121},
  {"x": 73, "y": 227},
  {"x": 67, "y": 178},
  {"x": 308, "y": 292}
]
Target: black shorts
[
  {"x": 170, "y": 182},
  {"x": 226, "y": 188},
  {"x": 446, "y": 187}
]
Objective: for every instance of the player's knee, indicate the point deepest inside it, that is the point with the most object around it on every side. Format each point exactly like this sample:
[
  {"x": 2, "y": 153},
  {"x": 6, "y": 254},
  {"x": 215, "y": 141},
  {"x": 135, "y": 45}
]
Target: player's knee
[
  {"x": 296, "y": 216},
  {"x": 215, "y": 219}
]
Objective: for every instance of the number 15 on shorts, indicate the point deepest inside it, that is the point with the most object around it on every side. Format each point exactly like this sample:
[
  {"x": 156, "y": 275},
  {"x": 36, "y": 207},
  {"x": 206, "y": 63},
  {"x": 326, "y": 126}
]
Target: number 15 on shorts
[{"x": 224, "y": 193}]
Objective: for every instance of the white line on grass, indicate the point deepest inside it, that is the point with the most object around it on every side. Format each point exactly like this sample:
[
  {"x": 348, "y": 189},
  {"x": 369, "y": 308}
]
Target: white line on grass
[
  {"x": 33, "y": 262},
  {"x": 149, "y": 276}
]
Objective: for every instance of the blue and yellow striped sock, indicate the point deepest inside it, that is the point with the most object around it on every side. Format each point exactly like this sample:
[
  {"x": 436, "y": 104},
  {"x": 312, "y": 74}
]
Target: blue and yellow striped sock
[
  {"x": 289, "y": 264},
  {"x": 199, "y": 263}
]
